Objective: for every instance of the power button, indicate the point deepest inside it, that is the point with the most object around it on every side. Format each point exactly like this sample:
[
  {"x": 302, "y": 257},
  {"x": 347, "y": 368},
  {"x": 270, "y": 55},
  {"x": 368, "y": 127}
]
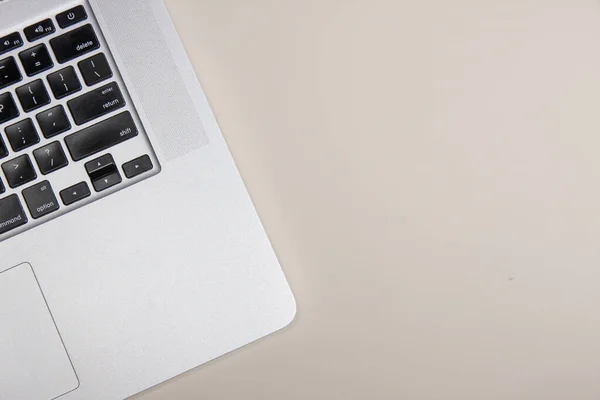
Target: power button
[{"x": 71, "y": 17}]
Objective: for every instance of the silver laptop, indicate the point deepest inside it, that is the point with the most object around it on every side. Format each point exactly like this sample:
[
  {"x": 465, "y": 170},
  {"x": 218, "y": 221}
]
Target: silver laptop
[{"x": 130, "y": 251}]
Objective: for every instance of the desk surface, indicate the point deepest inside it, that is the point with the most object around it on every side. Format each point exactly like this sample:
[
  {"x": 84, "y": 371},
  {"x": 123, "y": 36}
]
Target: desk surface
[{"x": 428, "y": 172}]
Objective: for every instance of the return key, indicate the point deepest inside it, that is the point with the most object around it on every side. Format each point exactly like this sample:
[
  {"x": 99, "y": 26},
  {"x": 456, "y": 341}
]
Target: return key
[{"x": 96, "y": 103}]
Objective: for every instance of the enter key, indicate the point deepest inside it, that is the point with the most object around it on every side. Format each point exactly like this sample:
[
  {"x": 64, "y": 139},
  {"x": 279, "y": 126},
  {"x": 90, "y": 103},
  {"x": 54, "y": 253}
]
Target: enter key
[{"x": 96, "y": 103}]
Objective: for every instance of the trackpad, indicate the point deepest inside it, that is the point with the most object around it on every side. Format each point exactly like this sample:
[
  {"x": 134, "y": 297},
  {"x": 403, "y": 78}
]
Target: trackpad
[{"x": 33, "y": 361}]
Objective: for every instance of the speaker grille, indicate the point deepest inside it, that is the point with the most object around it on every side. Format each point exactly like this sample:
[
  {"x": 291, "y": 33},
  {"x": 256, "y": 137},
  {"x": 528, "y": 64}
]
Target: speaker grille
[{"x": 155, "y": 77}]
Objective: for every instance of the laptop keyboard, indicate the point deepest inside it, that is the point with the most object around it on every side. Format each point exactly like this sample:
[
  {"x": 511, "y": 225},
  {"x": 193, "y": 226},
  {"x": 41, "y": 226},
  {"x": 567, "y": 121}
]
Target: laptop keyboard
[{"x": 69, "y": 134}]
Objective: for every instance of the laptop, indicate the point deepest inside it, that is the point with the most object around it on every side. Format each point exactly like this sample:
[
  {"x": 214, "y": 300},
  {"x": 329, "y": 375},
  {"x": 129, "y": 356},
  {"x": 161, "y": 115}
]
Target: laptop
[{"x": 130, "y": 251}]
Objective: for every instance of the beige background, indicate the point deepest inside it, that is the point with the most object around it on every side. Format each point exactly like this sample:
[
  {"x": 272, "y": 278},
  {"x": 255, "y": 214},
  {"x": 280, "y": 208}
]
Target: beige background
[{"x": 428, "y": 172}]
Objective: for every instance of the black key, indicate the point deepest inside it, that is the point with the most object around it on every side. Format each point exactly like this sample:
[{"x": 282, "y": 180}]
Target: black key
[
  {"x": 107, "y": 182},
  {"x": 101, "y": 136},
  {"x": 75, "y": 193},
  {"x": 8, "y": 108},
  {"x": 2, "y": 189},
  {"x": 40, "y": 200},
  {"x": 53, "y": 122},
  {"x": 74, "y": 43},
  {"x": 10, "y": 42},
  {"x": 103, "y": 172},
  {"x": 3, "y": 149},
  {"x": 12, "y": 214},
  {"x": 101, "y": 166},
  {"x": 36, "y": 60},
  {"x": 39, "y": 30},
  {"x": 96, "y": 103},
  {"x": 9, "y": 72},
  {"x": 137, "y": 166},
  {"x": 19, "y": 171},
  {"x": 64, "y": 82},
  {"x": 71, "y": 17},
  {"x": 95, "y": 69},
  {"x": 22, "y": 135},
  {"x": 50, "y": 158},
  {"x": 33, "y": 95}
]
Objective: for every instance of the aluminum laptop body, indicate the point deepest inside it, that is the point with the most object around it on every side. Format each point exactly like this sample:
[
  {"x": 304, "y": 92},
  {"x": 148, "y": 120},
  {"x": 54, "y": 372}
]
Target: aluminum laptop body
[{"x": 130, "y": 251}]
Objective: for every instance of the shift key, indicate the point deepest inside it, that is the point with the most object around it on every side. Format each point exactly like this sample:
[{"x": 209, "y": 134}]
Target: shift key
[
  {"x": 101, "y": 136},
  {"x": 96, "y": 103}
]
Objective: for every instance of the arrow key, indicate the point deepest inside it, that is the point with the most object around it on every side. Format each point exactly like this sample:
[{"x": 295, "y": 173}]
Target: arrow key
[
  {"x": 103, "y": 172},
  {"x": 101, "y": 166},
  {"x": 75, "y": 193},
  {"x": 107, "y": 181},
  {"x": 137, "y": 167}
]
